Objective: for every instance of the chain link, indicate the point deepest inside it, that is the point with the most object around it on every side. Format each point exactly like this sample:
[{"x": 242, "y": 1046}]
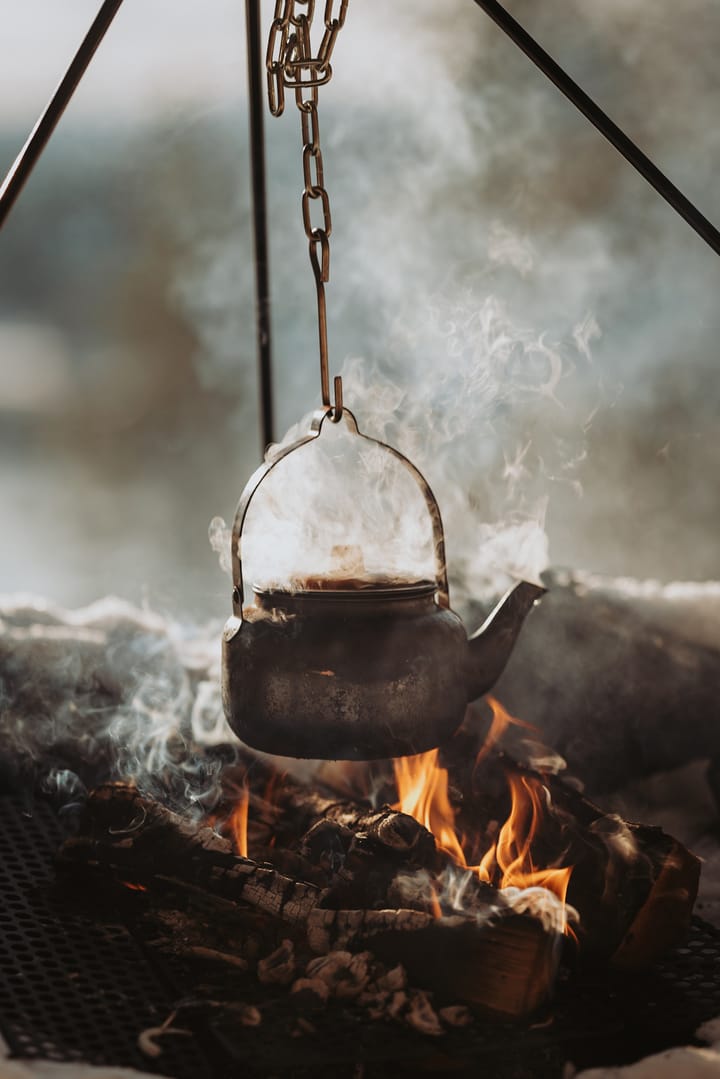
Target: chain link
[{"x": 291, "y": 66}]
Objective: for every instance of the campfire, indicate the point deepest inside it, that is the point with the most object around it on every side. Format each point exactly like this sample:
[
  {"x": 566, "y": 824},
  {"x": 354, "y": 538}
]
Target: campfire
[
  {"x": 431, "y": 893},
  {"x": 470, "y": 876}
]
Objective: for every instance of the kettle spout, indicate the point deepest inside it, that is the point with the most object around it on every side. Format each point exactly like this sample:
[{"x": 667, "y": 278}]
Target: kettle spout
[{"x": 490, "y": 647}]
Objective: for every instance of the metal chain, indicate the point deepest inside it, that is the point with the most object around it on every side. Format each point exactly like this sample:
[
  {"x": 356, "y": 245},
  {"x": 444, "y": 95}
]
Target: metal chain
[{"x": 291, "y": 66}]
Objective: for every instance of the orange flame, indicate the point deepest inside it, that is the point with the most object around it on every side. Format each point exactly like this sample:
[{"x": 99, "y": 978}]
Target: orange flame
[
  {"x": 237, "y": 823},
  {"x": 511, "y": 857},
  {"x": 501, "y": 720},
  {"x": 423, "y": 794}
]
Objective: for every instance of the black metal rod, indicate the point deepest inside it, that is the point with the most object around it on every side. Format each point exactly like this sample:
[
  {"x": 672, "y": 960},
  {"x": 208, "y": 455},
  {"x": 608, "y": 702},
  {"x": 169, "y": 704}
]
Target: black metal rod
[
  {"x": 260, "y": 233},
  {"x": 603, "y": 123},
  {"x": 38, "y": 138}
]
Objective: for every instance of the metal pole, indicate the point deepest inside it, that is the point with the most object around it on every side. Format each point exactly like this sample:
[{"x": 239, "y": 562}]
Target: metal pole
[
  {"x": 256, "y": 71},
  {"x": 603, "y": 123},
  {"x": 38, "y": 138}
]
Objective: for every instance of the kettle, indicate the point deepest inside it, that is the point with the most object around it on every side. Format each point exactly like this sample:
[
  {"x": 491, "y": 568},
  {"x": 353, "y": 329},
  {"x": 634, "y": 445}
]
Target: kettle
[{"x": 357, "y": 669}]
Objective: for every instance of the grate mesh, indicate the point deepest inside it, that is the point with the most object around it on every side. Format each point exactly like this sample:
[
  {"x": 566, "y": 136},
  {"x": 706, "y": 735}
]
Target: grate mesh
[
  {"x": 75, "y": 989},
  {"x": 71, "y": 989}
]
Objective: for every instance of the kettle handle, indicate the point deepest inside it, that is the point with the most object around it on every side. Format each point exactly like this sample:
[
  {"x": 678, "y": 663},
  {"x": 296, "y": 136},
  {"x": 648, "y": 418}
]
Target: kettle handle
[{"x": 318, "y": 419}]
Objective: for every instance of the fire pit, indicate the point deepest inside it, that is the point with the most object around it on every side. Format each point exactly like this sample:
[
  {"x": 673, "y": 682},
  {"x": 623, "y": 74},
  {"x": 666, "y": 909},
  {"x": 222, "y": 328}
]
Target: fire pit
[
  {"x": 227, "y": 908},
  {"x": 90, "y": 966}
]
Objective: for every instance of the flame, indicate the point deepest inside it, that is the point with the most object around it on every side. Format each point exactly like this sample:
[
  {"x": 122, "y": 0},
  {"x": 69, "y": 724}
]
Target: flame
[
  {"x": 511, "y": 857},
  {"x": 237, "y": 823},
  {"x": 501, "y": 720},
  {"x": 423, "y": 794}
]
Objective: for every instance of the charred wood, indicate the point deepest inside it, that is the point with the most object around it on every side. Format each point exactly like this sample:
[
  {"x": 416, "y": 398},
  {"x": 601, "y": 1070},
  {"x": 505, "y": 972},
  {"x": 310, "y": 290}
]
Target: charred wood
[
  {"x": 138, "y": 836},
  {"x": 617, "y": 866},
  {"x": 506, "y": 965}
]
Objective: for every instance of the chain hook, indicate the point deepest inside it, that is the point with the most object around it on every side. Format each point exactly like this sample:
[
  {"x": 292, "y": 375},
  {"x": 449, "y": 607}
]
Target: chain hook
[{"x": 291, "y": 65}]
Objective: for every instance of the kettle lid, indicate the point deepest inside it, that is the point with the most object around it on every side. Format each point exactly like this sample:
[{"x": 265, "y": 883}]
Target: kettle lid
[{"x": 376, "y": 587}]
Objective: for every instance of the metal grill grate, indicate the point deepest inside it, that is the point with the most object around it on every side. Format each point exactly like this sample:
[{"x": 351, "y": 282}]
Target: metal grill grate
[{"x": 70, "y": 989}]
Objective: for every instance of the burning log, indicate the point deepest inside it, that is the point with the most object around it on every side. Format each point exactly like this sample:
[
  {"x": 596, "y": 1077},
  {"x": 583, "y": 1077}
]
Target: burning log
[
  {"x": 361, "y": 853},
  {"x": 633, "y": 885},
  {"x": 144, "y": 841},
  {"x": 139, "y": 836},
  {"x": 307, "y": 815},
  {"x": 346, "y": 877},
  {"x": 506, "y": 965}
]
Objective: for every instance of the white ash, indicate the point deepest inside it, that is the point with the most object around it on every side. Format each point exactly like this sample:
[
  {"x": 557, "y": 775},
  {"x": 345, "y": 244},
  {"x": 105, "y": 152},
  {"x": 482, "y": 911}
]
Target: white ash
[
  {"x": 544, "y": 905},
  {"x": 363, "y": 980},
  {"x": 280, "y": 967},
  {"x": 248, "y": 1015},
  {"x": 310, "y": 994},
  {"x": 421, "y": 1016},
  {"x": 456, "y": 1015}
]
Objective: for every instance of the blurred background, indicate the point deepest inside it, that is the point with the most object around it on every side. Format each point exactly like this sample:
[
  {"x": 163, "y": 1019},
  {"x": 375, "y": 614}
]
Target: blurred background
[{"x": 510, "y": 303}]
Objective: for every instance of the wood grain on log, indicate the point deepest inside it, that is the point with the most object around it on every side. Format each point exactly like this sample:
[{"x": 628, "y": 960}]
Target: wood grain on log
[
  {"x": 139, "y": 835},
  {"x": 507, "y": 965},
  {"x": 615, "y": 864}
]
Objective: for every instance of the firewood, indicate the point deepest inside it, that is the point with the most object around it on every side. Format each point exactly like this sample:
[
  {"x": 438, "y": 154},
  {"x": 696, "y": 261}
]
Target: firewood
[
  {"x": 331, "y": 930},
  {"x": 140, "y": 836},
  {"x": 142, "y": 840},
  {"x": 663, "y": 921},
  {"x": 323, "y": 827},
  {"x": 506, "y": 966},
  {"x": 616, "y": 864}
]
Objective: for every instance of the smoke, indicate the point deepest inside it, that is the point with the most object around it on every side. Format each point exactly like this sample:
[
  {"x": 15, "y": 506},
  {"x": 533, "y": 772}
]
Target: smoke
[
  {"x": 507, "y": 301},
  {"x": 109, "y": 691},
  {"x": 488, "y": 396},
  {"x": 484, "y": 418}
]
